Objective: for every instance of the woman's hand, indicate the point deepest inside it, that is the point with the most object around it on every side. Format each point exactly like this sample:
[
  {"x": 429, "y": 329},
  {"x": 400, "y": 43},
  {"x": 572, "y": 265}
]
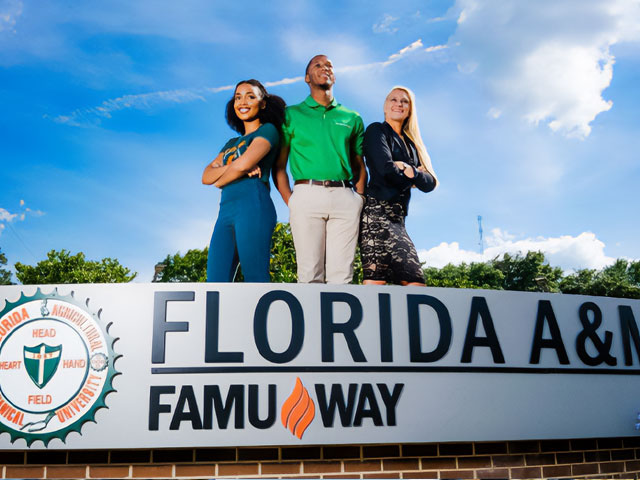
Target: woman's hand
[
  {"x": 409, "y": 171},
  {"x": 405, "y": 168},
  {"x": 213, "y": 171}
]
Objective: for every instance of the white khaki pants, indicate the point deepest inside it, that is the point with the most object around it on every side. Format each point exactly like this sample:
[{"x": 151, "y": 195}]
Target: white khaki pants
[{"x": 324, "y": 224}]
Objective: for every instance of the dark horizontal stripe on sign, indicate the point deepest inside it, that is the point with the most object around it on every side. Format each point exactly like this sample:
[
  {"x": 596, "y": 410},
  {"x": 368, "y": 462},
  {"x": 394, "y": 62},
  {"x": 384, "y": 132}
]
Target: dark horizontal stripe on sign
[{"x": 393, "y": 369}]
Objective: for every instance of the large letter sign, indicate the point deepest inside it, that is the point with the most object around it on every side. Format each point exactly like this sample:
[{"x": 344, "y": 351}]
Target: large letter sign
[{"x": 190, "y": 365}]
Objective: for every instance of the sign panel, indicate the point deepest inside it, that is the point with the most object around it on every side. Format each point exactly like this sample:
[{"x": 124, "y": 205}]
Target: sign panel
[{"x": 184, "y": 365}]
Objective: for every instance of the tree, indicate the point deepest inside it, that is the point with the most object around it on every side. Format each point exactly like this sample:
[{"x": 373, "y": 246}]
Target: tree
[
  {"x": 282, "y": 265},
  {"x": 474, "y": 275},
  {"x": 62, "y": 267},
  {"x": 622, "y": 280},
  {"x": 5, "y": 275},
  {"x": 529, "y": 273},
  {"x": 192, "y": 267}
]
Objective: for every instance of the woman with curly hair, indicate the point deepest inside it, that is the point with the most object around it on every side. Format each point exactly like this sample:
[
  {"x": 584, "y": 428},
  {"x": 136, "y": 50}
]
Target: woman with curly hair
[
  {"x": 397, "y": 161},
  {"x": 247, "y": 217}
]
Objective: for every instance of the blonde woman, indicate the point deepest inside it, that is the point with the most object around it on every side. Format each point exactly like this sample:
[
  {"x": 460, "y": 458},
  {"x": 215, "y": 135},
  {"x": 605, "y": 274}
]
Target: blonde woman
[{"x": 397, "y": 161}]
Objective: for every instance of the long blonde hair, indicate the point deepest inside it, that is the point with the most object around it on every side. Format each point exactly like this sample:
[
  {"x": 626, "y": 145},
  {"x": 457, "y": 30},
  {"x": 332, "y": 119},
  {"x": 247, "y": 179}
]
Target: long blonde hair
[{"x": 412, "y": 130}]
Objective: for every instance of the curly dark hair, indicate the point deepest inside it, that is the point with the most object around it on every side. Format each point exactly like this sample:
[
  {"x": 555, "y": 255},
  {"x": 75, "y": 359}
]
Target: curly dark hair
[{"x": 273, "y": 112}]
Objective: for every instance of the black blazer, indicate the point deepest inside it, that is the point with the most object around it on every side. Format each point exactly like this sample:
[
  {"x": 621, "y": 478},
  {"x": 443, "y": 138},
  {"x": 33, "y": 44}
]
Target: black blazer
[{"x": 382, "y": 147}]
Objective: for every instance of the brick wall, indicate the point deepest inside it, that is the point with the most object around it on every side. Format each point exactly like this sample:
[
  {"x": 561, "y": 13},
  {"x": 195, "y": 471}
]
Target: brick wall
[{"x": 584, "y": 458}]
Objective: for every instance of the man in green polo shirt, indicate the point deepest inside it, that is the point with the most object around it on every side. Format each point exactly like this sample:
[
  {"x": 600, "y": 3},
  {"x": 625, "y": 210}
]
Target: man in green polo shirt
[{"x": 323, "y": 145}]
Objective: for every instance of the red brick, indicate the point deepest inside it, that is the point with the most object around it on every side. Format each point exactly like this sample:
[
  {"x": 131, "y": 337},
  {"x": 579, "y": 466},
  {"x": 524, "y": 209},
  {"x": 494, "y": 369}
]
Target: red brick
[
  {"x": 524, "y": 446},
  {"x": 584, "y": 444},
  {"x": 420, "y": 450},
  {"x": 342, "y": 475},
  {"x": 597, "y": 456},
  {"x": 632, "y": 466},
  {"x": 474, "y": 462},
  {"x": 381, "y": 475},
  {"x": 570, "y": 457},
  {"x": 438, "y": 463},
  {"x": 280, "y": 468},
  {"x": 257, "y": 454},
  {"x": 66, "y": 472},
  {"x": 557, "y": 471},
  {"x": 366, "y": 466},
  {"x": 508, "y": 460},
  {"x": 301, "y": 453},
  {"x": 170, "y": 455},
  {"x": 631, "y": 442},
  {"x": 541, "y": 459},
  {"x": 527, "y": 472},
  {"x": 16, "y": 458},
  {"x": 24, "y": 472},
  {"x": 493, "y": 473},
  {"x": 150, "y": 471},
  {"x": 321, "y": 467},
  {"x": 584, "y": 469},
  {"x": 108, "y": 472},
  {"x": 555, "y": 445},
  {"x": 628, "y": 454},
  {"x": 609, "y": 443},
  {"x": 235, "y": 469},
  {"x": 195, "y": 471},
  {"x": 490, "y": 447},
  {"x": 457, "y": 474},
  {"x": 613, "y": 467},
  {"x": 335, "y": 453},
  {"x": 423, "y": 474},
  {"x": 380, "y": 451},
  {"x": 456, "y": 449},
  {"x": 400, "y": 464}
]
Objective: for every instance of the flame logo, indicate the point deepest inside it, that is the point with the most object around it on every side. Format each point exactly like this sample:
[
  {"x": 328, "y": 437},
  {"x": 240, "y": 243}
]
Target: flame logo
[{"x": 298, "y": 410}]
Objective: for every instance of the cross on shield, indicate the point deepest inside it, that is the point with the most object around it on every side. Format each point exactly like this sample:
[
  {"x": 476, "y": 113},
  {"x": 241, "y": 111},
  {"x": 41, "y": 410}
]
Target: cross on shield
[{"x": 42, "y": 362}]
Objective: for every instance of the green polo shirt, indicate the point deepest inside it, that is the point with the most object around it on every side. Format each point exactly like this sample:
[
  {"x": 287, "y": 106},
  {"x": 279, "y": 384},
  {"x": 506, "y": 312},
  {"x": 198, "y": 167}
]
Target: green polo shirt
[{"x": 322, "y": 140}]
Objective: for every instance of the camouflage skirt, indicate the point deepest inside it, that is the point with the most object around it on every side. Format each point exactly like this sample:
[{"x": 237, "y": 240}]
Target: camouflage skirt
[{"x": 387, "y": 252}]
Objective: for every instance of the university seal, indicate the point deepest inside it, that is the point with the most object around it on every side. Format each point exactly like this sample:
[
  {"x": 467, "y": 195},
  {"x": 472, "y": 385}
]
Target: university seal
[{"x": 56, "y": 366}]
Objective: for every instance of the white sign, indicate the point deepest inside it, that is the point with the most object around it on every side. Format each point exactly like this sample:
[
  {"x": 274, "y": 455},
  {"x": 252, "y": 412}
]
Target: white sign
[{"x": 184, "y": 365}]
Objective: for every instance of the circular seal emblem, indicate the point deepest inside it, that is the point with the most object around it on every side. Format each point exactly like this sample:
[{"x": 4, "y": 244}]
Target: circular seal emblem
[{"x": 56, "y": 366}]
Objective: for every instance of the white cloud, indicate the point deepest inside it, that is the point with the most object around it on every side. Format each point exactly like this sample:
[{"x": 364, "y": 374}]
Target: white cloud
[
  {"x": 568, "y": 252},
  {"x": 386, "y": 24},
  {"x": 10, "y": 10},
  {"x": 5, "y": 216},
  {"x": 546, "y": 61},
  {"x": 92, "y": 116}
]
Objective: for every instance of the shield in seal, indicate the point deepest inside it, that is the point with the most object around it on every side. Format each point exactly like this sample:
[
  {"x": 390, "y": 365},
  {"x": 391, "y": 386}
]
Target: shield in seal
[{"x": 41, "y": 362}]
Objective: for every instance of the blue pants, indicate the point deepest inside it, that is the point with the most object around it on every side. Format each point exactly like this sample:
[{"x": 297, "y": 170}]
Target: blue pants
[{"x": 242, "y": 233}]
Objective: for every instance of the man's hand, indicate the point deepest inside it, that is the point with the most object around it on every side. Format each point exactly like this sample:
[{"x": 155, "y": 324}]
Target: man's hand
[{"x": 255, "y": 172}]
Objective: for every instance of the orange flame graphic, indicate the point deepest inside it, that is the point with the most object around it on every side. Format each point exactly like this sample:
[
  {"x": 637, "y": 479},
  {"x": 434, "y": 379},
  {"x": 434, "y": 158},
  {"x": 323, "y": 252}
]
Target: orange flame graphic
[{"x": 298, "y": 410}]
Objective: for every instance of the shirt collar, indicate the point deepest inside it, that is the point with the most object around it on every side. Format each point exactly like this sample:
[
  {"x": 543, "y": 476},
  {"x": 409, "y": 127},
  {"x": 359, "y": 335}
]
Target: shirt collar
[{"x": 310, "y": 102}]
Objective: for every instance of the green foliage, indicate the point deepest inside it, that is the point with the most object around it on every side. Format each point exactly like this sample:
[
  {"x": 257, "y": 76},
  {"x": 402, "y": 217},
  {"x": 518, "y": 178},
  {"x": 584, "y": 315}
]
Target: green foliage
[
  {"x": 62, "y": 267},
  {"x": 5, "y": 275},
  {"x": 474, "y": 275},
  {"x": 529, "y": 273},
  {"x": 192, "y": 267},
  {"x": 357, "y": 268},
  {"x": 283, "y": 266},
  {"x": 622, "y": 279}
]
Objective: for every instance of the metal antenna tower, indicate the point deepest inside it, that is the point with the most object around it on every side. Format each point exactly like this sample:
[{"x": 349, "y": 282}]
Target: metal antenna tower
[{"x": 481, "y": 243}]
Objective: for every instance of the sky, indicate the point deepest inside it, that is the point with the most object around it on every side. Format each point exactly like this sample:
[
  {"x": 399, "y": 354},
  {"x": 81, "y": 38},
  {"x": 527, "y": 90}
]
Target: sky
[{"x": 529, "y": 110}]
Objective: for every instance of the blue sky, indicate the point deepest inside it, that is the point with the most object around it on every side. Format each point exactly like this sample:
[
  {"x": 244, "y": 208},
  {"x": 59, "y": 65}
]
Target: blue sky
[{"x": 111, "y": 110}]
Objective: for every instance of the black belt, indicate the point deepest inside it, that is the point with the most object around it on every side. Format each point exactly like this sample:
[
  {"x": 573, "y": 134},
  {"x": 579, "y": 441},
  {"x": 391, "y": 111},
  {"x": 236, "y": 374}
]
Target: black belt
[{"x": 325, "y": 183}]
